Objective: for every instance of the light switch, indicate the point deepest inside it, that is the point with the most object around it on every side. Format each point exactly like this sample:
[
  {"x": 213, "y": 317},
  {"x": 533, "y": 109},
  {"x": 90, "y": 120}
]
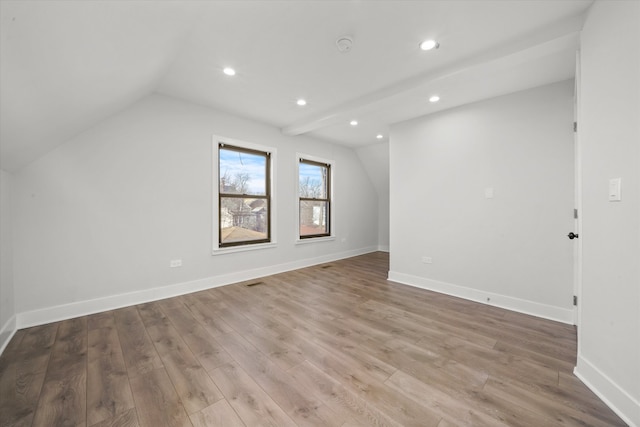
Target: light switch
[
  {"x": 614, "y": 190},
  {"x": 488, "y": 193}
]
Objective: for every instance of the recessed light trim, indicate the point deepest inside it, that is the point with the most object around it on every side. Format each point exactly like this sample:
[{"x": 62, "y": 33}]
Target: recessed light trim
[
  {"x": 353, "y": 123},
  {"x": 301, "y": 102},
  {"x": 379, "y": 136},
  {"x": 429, "y": 45},
  {"x": 434, "y": 98},
  {"x": 229, "y": 71}
]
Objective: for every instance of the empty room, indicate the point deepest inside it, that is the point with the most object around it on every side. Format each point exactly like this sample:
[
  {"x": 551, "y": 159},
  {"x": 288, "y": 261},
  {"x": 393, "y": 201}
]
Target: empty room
[{"x": 319, "y": 213}]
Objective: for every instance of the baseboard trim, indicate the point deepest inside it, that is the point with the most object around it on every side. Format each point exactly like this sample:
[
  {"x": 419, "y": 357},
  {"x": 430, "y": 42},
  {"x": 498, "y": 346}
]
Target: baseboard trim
[
  {"x": 83, "y": 308},
  {"x": 7, "y": 332},
  {"x": 544, "y": 311},
  {"x": 616, "y": 398},
  {"x": 383, "y": 248}
]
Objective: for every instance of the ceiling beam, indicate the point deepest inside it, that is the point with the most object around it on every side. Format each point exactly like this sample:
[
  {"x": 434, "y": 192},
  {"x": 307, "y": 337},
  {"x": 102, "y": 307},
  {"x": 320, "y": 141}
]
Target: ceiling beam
[{"x": 545, "y": 39}]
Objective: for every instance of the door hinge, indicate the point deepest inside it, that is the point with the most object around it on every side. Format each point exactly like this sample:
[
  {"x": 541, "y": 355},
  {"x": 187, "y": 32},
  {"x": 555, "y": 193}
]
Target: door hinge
[
  {"x": 575, "y": 126},
  {"x": 575, "y": 213},
  {"x": 575, "y": 300}
]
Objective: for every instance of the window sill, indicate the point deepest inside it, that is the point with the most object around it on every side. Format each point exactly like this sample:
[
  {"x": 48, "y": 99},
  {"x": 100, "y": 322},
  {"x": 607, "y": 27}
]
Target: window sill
[
  {"x": 243, "y": 248},
  {"x": 315, "y": 239}
]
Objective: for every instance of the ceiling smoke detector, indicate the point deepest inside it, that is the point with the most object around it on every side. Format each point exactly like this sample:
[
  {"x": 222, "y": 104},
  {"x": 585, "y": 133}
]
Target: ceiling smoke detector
[{"x": 344, "y": 43}]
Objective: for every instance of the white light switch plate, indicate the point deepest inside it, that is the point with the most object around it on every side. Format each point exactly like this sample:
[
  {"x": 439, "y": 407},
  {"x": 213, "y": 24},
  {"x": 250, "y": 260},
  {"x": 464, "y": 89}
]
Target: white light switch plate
[
  {"x": 614, "y": 190},
  {"x": 488, "y": 193}
]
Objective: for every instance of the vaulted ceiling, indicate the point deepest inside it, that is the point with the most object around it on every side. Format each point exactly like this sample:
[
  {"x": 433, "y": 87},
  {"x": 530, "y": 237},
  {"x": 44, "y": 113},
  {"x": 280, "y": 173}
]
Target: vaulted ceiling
[{"x": 67, "y": 65}]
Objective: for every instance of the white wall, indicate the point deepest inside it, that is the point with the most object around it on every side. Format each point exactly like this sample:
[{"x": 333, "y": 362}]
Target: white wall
[
  {"x": 7, "y": 306},
  {"x": 512, "y": 248},
  {"x": 102, "y": 215},
  {"x": 375, "y": 159},
  {"x": 609, "y": 132}
]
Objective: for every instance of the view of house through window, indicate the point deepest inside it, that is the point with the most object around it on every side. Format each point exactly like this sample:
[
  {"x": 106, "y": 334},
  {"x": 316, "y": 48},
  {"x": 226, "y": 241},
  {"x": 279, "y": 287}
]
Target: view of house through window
[
  {"x": 244, "y": 196},
  {"x": 314, "y": 190}
]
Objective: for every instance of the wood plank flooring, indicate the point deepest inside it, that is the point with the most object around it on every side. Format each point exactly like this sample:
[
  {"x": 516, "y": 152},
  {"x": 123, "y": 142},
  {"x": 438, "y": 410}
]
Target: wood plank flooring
[{"x": 331, "y": 345}]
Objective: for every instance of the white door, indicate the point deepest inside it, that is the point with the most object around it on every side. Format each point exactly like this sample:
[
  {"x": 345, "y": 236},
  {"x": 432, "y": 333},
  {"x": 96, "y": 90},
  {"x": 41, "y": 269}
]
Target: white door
[{"x": 577, "y": 242}]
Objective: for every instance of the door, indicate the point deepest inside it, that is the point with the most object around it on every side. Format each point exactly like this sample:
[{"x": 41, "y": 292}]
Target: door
[{"x": 577, "y": 229}]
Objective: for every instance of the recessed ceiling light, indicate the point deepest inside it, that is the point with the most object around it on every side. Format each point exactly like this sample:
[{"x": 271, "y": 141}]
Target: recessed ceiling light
[
  {"x": 434, "y": 98},
  {"x": 229, "y": 71},
  {"x": 353, "y": 123},
  {"x": 379, "y": 136},
  {"x": 429, "y": 44},
  {"x": 301, "y": 102}
]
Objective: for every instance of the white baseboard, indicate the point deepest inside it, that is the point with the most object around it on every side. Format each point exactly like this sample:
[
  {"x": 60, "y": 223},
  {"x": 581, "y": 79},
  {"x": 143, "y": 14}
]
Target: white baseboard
[
  {"x": 616, "y": 398},
  {"x": 383, "y": 248},
  {"x": 83, "y": 308},
  {"x": 559, "y": 314},
  {"x": 7, "y": 332}
]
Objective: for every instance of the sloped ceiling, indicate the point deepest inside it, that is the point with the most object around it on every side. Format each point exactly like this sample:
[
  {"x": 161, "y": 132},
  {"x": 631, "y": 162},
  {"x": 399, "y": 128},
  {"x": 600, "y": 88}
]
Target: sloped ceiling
[{"x": 66, "y": 65}]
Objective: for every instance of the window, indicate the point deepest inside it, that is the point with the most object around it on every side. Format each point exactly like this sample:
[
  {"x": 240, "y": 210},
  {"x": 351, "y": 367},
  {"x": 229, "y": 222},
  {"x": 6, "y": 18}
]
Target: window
[
  {"x": 244, "y": 196},
  {"x": 314, "y": 198}
]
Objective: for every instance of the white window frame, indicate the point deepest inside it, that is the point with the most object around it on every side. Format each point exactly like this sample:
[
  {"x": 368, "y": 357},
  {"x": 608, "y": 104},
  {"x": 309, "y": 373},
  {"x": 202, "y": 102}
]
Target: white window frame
[
  {"x": 217, "y": 250},
  {"x": 332, "y": 209}
]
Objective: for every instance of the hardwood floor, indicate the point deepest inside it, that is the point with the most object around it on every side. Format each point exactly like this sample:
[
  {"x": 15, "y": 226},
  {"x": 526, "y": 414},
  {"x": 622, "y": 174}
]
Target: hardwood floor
[{"x": 331, "y": 345}]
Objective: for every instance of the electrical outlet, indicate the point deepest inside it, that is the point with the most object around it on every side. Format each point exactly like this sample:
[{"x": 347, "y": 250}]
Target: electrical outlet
[
  {"x": 426, "y": 260},
  {"x": 175, "y": 263}
]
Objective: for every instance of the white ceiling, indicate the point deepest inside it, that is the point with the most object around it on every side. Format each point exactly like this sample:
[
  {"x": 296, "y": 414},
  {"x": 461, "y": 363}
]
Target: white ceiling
[{"x": 66, "y": 65}]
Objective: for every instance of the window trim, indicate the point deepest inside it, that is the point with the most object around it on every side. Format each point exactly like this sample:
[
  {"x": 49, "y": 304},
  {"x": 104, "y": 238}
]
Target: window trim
[
  {"x": 270, "y": 242},
  {"x": 300, "y": 157}
]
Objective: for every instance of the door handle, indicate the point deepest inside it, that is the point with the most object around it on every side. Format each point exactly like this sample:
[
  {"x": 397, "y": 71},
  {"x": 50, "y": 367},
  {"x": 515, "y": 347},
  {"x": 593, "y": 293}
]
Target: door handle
[{"x": 572, "y": 235}]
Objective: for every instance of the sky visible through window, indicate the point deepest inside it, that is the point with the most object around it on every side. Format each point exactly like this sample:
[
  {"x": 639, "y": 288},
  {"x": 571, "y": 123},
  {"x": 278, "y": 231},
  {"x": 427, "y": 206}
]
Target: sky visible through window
[
  {"x": 236, "y": 163},
  {"x": 311, "y": 171},
  {"x": 311, "y": 177}
]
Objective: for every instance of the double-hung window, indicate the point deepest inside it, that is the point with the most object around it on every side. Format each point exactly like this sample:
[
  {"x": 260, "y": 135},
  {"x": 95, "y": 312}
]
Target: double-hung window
[
  {"x": 314, "y": 198},
  {"x": 244, "y": 196}
]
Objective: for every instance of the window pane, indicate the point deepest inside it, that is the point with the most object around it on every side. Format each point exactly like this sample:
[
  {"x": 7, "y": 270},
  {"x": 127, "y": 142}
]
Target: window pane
[
  {"x": 243, "y": 219},
  {"x": 313, "y": 218},
  {"x": 313, "y": 181},
  {"x": 242, "y": 173}
]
